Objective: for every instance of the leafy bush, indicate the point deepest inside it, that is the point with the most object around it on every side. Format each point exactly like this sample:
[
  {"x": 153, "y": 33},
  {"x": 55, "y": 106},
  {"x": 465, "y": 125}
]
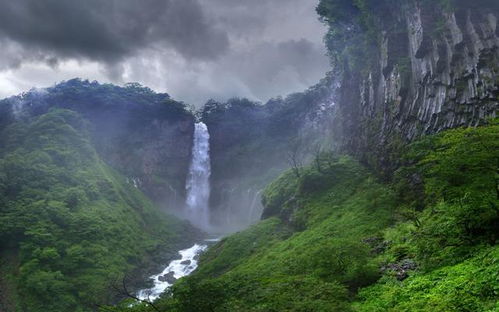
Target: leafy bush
[{"x": 458, "y": 169}]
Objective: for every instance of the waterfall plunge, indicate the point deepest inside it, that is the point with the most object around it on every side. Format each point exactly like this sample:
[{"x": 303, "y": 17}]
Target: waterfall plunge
[
  {"x": 198, "y": 181},
  {"x": 198, "y": 194}
]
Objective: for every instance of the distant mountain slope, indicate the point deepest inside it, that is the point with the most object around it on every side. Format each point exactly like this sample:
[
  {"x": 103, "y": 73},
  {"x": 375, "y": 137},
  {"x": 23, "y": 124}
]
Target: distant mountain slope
[{"x": 251, "y": 144}]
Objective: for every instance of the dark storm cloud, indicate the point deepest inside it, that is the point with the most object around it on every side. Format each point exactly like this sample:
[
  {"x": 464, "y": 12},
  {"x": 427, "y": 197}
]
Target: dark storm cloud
[
  {"x": 270, "y": 69},
  {"x": 109, "y": 30},
  {"x": 192, "y": 49}
]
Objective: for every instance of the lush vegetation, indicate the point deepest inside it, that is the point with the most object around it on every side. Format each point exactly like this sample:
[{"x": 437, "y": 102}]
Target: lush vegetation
[
  {"x": 336, "y": 239},
  {"x": 70, "y": 225},
  {"x": 471, "y": 285},
  {"x": 452, "y": 232},
  {"x": 92, "y": 99},
  {"x": 309, "y": 260}
]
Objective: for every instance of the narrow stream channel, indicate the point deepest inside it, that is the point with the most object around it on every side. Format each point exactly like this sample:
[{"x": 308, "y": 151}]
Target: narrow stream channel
[{"x": 185, "y": 265}]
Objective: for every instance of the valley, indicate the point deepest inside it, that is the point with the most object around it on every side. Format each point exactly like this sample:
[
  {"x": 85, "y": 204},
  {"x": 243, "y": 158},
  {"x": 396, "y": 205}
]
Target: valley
[{"x": 376, "y": 189}]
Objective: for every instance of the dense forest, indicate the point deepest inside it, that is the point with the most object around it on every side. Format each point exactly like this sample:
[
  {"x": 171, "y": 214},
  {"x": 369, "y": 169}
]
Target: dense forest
[{"x": 376, "y": 189}]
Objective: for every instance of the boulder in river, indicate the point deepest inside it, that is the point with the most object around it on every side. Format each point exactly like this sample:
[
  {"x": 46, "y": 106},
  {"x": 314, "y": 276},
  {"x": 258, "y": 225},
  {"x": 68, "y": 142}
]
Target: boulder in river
[{"x": 169, "y": 278}]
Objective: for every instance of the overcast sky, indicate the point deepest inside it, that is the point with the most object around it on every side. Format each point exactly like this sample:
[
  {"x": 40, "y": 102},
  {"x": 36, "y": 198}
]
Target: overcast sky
[{"x": 192, "y": 49}]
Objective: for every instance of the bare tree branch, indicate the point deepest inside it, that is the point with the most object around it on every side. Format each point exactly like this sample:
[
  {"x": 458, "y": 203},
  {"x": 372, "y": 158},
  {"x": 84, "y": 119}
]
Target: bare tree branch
[
  {"x": 294, "y": 158},
  {"x": 123, "y": 291},
  {"x": 317, "y": 157}
]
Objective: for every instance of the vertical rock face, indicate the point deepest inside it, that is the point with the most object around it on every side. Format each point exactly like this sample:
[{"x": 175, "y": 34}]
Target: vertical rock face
[
  {"x": 435, "y": 69},
  {"x": 155, "y": 157},
  {"x": 454, "y": 75}
]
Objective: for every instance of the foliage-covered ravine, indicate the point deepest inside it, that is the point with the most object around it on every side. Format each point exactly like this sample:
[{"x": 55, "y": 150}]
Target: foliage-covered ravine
[
  {"x": 71, "y": 226},
  {"x": 335, "y": 238}
]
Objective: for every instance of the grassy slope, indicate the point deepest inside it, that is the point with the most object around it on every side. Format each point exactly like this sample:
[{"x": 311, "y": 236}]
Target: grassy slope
[
  {"x": 336, "y": 240},
  {"x": 452, "y": 232},
  {"x": 75, "y": 224},
  {"x": 471, "y": 285}
]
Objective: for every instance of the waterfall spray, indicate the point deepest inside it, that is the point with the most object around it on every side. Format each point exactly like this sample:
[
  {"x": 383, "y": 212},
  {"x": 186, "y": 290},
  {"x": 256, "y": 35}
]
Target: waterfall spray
[{"x": 198, "y": 181}]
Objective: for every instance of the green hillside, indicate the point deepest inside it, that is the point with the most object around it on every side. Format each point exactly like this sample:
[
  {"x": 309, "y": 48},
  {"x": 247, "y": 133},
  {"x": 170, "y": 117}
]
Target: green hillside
[
  {"x": 337, "y": 239},
  {"x": 71, "y": 226}
]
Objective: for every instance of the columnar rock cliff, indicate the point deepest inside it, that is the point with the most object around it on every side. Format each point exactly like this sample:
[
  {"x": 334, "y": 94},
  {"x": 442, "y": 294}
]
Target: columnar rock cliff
[{"x": 427, "y": 67}]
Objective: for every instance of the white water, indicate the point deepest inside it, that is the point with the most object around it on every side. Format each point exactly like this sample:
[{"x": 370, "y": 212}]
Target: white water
[
  {"x": 178, "y": 268},
  {"x": 198, "y": 181},
  {"x": 253, "y": 205}
]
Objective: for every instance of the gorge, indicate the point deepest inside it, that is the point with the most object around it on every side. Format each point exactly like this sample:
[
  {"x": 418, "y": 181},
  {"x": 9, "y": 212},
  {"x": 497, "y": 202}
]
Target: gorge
[{"x": 376, "y": 189}]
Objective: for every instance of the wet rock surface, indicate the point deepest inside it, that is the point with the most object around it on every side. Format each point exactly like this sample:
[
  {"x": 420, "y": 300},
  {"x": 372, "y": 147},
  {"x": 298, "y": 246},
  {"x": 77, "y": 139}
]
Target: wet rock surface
[
  {"x": 377, "y": 244},
  {"x": 169, "y": 278}
]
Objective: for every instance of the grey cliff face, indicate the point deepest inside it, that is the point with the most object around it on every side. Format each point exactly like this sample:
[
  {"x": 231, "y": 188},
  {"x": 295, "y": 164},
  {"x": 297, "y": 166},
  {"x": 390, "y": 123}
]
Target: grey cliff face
[
  {"x": 156, "y": 158},
  {"x": 435, "y": 70}
]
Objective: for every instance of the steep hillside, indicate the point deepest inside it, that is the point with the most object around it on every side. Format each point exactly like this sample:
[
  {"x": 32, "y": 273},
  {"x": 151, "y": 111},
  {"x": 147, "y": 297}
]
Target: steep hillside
[
  {"x": 390, "y": 203},
  {"x": 144, "y": 135},
  {"x": 148, "y": 137},
  {"x": 337, "y": 239},
  {"x": 71, "y": 225}
]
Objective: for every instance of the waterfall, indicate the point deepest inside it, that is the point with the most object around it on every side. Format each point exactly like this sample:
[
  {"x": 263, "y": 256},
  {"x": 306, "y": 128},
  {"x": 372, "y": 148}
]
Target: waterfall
[
  {"x": 253, "y": 205},
  {"x": 198, "y": 181},
  {"x": 198, "y": 194}
]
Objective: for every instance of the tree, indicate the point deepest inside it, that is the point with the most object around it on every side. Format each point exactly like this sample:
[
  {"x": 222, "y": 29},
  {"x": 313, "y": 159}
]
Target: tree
[{"x": 295, "y": 157}]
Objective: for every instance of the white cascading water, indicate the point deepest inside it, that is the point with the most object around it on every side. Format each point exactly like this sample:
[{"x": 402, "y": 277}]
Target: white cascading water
[
  {"x": 254, "y": 203},
  {"x": 198, "y": 181},
  {"x": 175, "y": 270}
]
